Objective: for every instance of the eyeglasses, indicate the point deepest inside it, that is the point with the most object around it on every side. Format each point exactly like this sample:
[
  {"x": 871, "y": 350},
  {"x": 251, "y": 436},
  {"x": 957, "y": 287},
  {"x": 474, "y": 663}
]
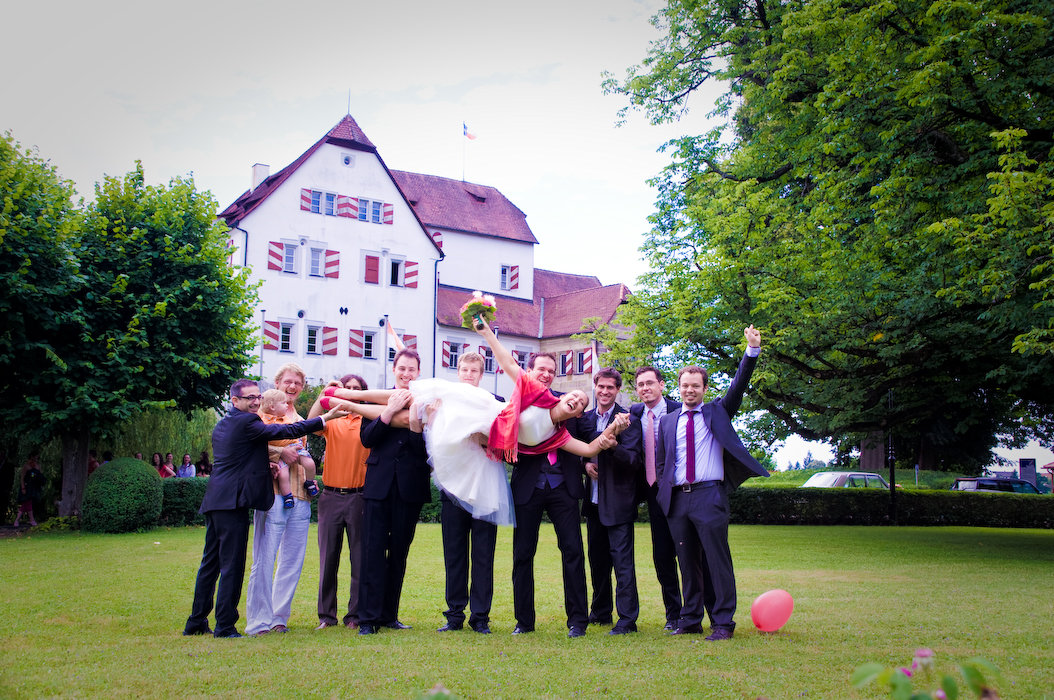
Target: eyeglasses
[{"x": 251, "y": 397}]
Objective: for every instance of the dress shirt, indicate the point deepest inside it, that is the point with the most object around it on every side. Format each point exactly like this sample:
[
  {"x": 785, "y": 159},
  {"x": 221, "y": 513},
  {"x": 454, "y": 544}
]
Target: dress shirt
[{"x": 602, "y": 423}]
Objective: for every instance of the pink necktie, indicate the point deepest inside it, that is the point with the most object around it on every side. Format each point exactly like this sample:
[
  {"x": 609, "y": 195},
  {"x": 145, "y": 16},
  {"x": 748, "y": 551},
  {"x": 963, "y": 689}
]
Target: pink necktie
[
  {"x": 689, "y": 447},
  {"x": 649, "y": 449}
]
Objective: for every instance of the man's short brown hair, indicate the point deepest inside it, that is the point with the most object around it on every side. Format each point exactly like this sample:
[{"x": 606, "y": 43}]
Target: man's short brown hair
[
  {"x": 608, "y": 373},
  {"x": 644, "y": 370},
  {"x": 407, "y": 352},
  {"x": 694, "y": 369},
  {"x": 472, "y": 357},
  {"x": 535, "y": 356}
]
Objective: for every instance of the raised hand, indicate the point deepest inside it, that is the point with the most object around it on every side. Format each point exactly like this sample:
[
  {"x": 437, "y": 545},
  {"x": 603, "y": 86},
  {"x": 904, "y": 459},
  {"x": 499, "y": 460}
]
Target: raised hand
[{"x": 753, "y": 336}]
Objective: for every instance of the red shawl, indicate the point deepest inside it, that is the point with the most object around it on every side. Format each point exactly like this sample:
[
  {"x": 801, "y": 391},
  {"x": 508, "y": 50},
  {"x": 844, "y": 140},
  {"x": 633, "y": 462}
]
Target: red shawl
[{"x": 503, "y": 443}]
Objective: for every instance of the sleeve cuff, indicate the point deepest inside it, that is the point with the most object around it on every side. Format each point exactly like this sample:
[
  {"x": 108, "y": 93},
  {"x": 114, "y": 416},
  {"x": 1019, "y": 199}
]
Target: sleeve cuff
[{"x": 753, "y": 352}]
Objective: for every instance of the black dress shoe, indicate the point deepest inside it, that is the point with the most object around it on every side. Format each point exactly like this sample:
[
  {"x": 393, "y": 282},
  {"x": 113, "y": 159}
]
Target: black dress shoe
[
  {"x": 481, "y": 627},
  {"x": 232, "y": 635},
  {"x": 719, "y": 634},
  {"x": 520, "y": 629},
  {"x": 669, "y": 626},
  {"x": 449, "y": 627},
  {"x": 576, "y": 632},
  {"x": 600, "y": 620},
  {"x": 690, "y": 629},
  {"x": 196, "y": 630},
  {"x": 367, "y": 629},
  {"x": 396, "y": 625},
  {"x": 623, "y": 629}
]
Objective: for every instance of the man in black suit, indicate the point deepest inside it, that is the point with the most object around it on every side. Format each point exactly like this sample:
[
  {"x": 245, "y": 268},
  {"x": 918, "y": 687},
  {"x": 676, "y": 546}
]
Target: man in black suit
[
  {"x": 396, "y": 488},
  {"x": 650, "y": 388},
  {"x": 465, "y": 538},
  {"x": 610, "y": 508},
  {"x": 701, "y": 459},
  {"x": 241, "y": 479}
]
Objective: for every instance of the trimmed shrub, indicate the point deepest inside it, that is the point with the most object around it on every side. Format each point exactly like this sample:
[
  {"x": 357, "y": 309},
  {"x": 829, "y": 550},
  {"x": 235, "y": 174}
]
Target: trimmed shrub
[
  {"x": 182, "y": 499},
  {"x": 797, "y": 506},
  {"x": 123, "y": 495}
]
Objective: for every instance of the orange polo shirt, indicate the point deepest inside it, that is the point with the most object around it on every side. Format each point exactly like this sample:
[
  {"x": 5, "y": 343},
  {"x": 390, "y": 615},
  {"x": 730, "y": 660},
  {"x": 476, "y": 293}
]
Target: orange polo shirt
[{"x": 345, "y": 461}]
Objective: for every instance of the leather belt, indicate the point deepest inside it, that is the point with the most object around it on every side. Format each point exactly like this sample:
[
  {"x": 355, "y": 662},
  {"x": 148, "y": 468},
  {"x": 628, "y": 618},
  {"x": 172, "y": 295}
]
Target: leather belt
[
  {"x": 336, "y": 489},
  {"x": 688, "y": 488}
]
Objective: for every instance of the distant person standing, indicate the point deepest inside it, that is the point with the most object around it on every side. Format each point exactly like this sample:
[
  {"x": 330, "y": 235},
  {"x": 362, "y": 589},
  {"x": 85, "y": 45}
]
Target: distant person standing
[
  {"x": 93, "y": 462},
  {"x": 203, "y": 466},
  {"x": 31, "y": 488},
  {"x": 241, "y": 481},
  {"x": 186, "y": 469}
]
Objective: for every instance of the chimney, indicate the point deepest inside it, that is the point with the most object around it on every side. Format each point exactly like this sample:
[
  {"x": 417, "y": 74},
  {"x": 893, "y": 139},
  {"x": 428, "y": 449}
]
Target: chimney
[{"x": 260, "y": 173}]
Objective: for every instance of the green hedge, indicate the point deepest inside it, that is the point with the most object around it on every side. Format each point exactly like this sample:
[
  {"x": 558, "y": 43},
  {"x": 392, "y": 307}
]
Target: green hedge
[
  {"x": 182, "y": 500},
  {"x": 796, "y": 506},
  {"x": 123, "y": 495}
]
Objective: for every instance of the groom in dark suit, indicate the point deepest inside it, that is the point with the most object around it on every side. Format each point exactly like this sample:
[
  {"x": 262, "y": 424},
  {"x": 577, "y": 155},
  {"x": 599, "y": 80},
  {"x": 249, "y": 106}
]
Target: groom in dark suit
[
  {"x": 241, "y": 479},
  {"x": 700, "y": 459}
]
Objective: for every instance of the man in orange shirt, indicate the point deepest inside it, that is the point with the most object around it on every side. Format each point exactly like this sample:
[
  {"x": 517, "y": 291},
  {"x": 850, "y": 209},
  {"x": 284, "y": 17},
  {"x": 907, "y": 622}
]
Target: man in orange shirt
[{"x": 340, "y": 509}]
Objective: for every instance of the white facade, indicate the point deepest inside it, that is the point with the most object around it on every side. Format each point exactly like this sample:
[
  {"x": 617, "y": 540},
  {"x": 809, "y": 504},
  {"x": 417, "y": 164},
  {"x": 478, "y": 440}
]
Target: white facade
[
  {"x": 329, "y": 278},
  {"x": 487, "y": 263}
]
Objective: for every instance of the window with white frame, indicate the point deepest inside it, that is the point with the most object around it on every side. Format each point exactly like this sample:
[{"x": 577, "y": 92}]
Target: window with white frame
[
  {"x": 580, "y": 361},
  {"x": 318, "y": 262},
  {"x": 488, "y": 361},
  {"x": 375, "y": 212},
  {"x": 456, "y": 351},
  {"x": 397, "y": 271},
  {"x": 521, "y": 356},
  {"x": 323, "y": 203},
  {"x": 289, "y": 249},
  {"x": 368, "y": 345},
  {"x": 314, "y": 340},
  {"x": 285, "y": 337}
]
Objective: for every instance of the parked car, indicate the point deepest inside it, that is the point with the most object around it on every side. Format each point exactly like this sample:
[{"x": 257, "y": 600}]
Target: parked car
[
  {"x": 993, "y": 485},
  {"x": 847, "y": 480}
]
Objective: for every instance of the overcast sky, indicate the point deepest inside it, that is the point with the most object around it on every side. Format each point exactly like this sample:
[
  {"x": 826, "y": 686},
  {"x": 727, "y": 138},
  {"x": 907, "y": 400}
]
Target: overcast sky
[{"x": 211, "y": 88}]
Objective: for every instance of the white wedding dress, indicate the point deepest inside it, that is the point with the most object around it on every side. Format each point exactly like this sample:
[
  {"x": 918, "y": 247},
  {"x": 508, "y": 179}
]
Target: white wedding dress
[{"x": 460, "y": 465}]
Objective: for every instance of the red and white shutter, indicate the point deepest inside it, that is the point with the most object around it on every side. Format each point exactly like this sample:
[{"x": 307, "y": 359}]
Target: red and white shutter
[
  {"x": 514, "y": 277},
  {"x": 437, "y": 236},
  {"x": 348, "y": 207},
  {"x": 332, "y": 263},
  {"x": 410, "y": 275},
  {"x": 587, "y": 361},
  {"x": 305, "y": 200},
  {"x": 275, "y": 255},
  {"x": 388, "y": 213},
  {"x": 569, "y": 363},
  {"x": 410, "y": 341},
  {"x": 446, "y": 353},
  {"x": 270, "y": 334},
  {"x": 329, "y": 340},
  {"x": 373, "y": 270},
  {"x": 356, "y": 343}
]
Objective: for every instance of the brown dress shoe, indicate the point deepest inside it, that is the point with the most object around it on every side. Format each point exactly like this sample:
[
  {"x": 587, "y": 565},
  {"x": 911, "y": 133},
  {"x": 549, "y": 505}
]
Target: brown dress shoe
[{"x": 352, "y": 624}]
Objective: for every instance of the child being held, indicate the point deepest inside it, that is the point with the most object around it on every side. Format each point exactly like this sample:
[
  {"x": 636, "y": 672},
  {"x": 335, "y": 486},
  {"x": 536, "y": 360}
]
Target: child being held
[{"x": 274, "y": 405}]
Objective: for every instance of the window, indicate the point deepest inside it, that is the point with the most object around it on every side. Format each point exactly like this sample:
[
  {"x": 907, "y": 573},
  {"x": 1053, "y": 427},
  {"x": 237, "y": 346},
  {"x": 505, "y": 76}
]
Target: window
[
  {"x": 371, "y": 268},
  {"x": 521, "y": 357},
  {"x": 396, "y": 279},
  {"x": 391, "y": 353},
  {"x": 289, "y": 257},
  {"x": 580, "y": 359},
  {"x": 316, "y": 202},
  {"x": 285, "y": 338},
  {"x": 319, "y": 202},
  {"x": 504, "y": 277},
  {"x": 364, "y": 209},
  {"x": 367, "y": 344},
  {"x": 330, "y": 208},
  {"x": 318, "y": 258},
  {"x": 488, "y": 360},
  {"x": 375, "y": 212},
  {"x": 314, "y": 340},
  {"x": 510, "y": 276},
  {"x": 456, "y": 350}
]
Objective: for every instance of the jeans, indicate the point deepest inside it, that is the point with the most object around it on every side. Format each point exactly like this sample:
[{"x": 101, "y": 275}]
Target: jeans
[{"x": 281, "y": 534}]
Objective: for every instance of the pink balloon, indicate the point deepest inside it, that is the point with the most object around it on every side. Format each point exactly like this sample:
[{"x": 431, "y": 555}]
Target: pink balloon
[{"x": 771, "y": 610}]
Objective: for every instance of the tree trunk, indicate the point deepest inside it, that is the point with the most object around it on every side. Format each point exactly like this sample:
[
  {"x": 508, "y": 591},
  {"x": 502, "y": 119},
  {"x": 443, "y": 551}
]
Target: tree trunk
[
  {"x": 74, "y": 471},
  {"x": 927, "y": 456},
  {"x": 873, "y": 452}
]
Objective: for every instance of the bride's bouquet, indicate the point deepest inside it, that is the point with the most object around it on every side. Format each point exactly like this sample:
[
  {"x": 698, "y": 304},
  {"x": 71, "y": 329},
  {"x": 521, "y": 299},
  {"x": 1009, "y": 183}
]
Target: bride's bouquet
[{"x": 480, "y": 306}]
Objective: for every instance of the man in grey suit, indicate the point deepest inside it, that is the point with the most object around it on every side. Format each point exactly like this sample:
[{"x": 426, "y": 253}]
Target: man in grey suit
[{"x": 701, "y": 459}]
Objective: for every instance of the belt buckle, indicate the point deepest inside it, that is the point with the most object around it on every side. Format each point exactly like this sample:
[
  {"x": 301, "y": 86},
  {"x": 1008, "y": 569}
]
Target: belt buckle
[{"x": 686, "y": 488}]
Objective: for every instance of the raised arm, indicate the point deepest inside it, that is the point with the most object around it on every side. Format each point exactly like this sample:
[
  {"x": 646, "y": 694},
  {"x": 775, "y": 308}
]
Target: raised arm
[{"x": 503, "y": 356}]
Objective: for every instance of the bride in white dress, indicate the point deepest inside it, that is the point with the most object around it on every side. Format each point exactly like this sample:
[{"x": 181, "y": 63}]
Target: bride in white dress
[{"x": 459, "y": 419}]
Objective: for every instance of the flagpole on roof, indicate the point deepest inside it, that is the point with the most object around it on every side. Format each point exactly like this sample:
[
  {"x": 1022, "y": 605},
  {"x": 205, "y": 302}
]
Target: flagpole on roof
[{"x": 464, "y": 138}]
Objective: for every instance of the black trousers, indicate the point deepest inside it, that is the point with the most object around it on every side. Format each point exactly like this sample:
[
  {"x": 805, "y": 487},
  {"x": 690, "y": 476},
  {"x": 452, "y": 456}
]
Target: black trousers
[
  {"x": 226, "y": 541},
  {"x": 388, "y": 530},
  {"x": 466, "y": 539},
  {"x": 598, "y": 551},
  {"x": 563, "y": 512},
  {"x": 664, "y": 556},
  {"x": 699, "y": 525},
  {"x": 339, "y": 515}
]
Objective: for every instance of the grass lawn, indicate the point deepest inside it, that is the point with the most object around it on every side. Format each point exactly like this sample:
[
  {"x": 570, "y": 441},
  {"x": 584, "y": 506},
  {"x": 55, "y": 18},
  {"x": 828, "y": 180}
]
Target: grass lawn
[{"x": 101, "y": 615}]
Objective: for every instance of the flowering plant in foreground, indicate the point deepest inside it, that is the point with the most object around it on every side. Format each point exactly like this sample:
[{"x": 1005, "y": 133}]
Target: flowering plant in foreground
[
  {"x": 923, "y": 672},
  {"x": 480, "y": 305}
]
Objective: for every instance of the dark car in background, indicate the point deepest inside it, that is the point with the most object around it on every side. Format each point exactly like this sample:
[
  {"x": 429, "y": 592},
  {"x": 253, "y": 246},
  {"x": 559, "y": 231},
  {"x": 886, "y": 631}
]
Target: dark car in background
[{"x": 994, "y": 485}]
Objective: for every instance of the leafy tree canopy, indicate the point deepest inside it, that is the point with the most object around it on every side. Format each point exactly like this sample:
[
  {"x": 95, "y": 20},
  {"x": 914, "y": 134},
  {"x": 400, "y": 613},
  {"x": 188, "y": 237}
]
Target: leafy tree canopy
[{"x": 878, "y": 202}]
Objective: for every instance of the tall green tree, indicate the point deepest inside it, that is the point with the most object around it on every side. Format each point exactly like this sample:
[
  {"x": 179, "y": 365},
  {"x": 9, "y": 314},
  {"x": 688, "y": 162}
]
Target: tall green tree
[
  {"x": 844, "y": 209},
  {"x": 157, "y": 320}
]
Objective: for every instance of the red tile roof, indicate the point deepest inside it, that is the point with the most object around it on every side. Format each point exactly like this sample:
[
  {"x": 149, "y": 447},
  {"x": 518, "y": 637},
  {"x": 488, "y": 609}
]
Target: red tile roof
[
  {"x": 563, "y": 313},
  {"x": 463, "y": 206},
  {"x": 346, "y": 133},
  {"x": 550, "y": 284}
]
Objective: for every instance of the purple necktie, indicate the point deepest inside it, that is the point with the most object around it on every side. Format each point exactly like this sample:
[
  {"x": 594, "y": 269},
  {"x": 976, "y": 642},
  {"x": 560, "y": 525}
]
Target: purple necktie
[
  {"x": 689, "y": 447},
  {"x": 649, "y": 449}
]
